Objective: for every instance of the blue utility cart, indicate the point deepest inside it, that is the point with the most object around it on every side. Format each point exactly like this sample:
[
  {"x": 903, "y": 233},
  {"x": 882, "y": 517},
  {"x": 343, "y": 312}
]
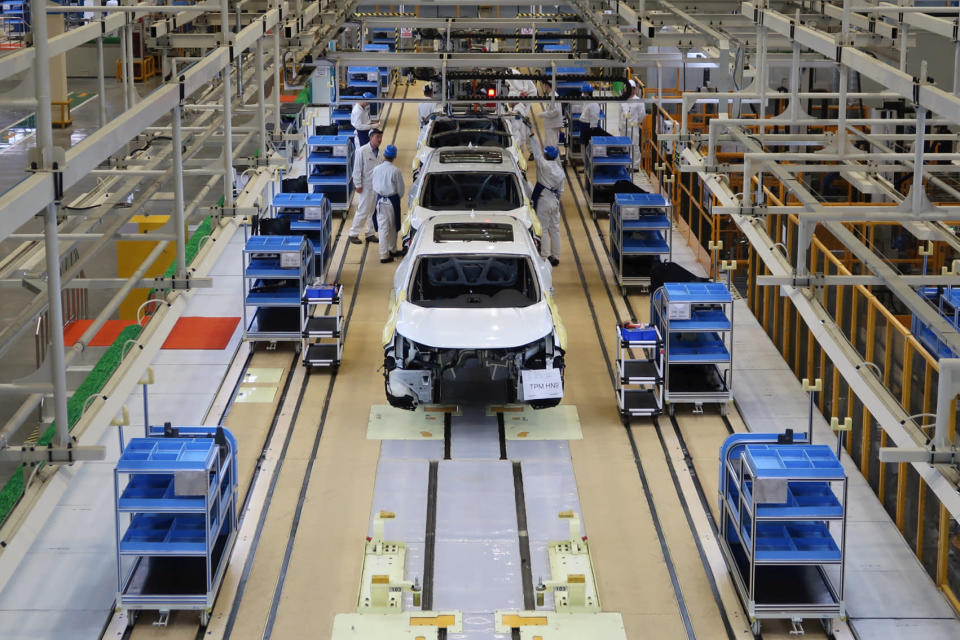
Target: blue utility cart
[
  {"x": 696, "y": 322},
  {"x": 607, "y": 160},
  {"x": 323, "y": 331},
  {"x": 176, "y": 518},
  {"x": 330, "y": 168},
  {"x": 640, "y": 236},
  {"x": 276, "y": 272},
  {"x": 947, "y": 302},
  {"x": 783, "y": 527},
  {"x": 310, "y": 214},
  {"x": 639, "y": 383}
]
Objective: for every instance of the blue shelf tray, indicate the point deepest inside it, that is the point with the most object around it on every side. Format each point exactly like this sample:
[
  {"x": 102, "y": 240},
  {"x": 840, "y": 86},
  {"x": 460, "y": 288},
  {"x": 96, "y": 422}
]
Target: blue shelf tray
[
  {"x": 333, "y": 181},
  {"x": 376, "y": 47},
  {"x": 165, "y": 535},
  {"x": 645, "y": 242},
  {"x": 646, "y": 222},
  {"x": 286, "y": 296},
  {"x": 793, "y": 542},
  {"x": 270, "y": 269},
  {"x": 311, "y": 226},
  {"x": 804, "y": 500},
  {"x": 697, "y": 292},
  {"x": 369, "y": 84},
  {"x": 167, "y": 455},
  {"x": 611, "y": 160},
  {"x": 273, "y": 244},
  {"x": 649, "y": 200},
  {"x": 703, "y": 320},
  {"x": 929, "y": 340},
  {"x": 697, "y": 348},
  {"x": 322, "y": 293},
  {"x": 298, "y": 200},
  {"x": 608, "y": 175},
  {"x": 639, "y": 334},
  {"x": 611, "y": 140},
  {"x": 547, "y": 48},
  {"x": 808, "y": 461},
  {"x": 326, "y": 158}
]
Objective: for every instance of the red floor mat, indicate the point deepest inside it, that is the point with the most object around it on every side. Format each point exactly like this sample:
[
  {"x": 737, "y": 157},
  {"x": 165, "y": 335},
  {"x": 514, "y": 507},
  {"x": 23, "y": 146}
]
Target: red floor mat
[
  {"x": 104, "y": 338},
  {"x": 196, "y": 332}
]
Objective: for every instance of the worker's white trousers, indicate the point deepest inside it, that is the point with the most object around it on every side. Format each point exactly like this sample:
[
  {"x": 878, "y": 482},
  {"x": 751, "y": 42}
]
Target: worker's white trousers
[
  {"x": 551, "y": 137},
  {"x": 387, "y": 229},
  {"x": 363, "y": 216},
  {"x": 632, "y": 129},
  {"x": 548, "y": 210}
]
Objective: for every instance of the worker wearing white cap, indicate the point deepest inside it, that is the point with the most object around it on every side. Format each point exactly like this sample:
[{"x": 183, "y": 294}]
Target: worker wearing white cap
[
  {"x": 360, "y": 119},
  {"x": 589, "y": 116},
  {"x": 552, "y": 116},
  {"x": 364, "y": 162},
  {"x": 428, "y": 107},
  {"x": 633, "y": 114},
  {"x": 389, "y": 187},
  {"x": 546, "y": 198}
]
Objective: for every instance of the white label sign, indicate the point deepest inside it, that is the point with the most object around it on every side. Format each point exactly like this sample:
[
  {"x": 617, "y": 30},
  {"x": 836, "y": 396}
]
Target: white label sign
[
  {"x": 406, "y": 32},
  {"x": 630, "y": 213},
  {"x": 678, "y": 311},
  {"x": 289, "y": 260},
  {"x": 526, "y": 31},
  {"x": 541, "y": 383}
]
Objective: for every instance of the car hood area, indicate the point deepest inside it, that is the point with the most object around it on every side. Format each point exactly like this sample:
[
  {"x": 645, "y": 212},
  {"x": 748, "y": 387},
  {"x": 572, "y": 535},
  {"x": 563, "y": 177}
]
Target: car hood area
[{"x": 474, "y": 328}]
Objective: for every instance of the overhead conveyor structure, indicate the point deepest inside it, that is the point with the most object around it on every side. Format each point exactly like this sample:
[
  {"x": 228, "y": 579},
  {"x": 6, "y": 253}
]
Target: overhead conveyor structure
[{"x": 782, "y": 179}]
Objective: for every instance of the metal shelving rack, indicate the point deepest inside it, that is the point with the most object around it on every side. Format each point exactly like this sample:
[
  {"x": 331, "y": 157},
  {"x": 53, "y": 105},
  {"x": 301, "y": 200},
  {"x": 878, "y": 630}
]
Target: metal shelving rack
[
  {"x": 696, "y": 322},
  {"x": 640, "y": 236},
  {"x": 607, "y": 159},
  {"x": 947, "y": 301},
  {"x": 310, "y": 214},
  {"x": 323, "y": 334},
  {"x": 276, "y": 271},
  {"x": 176, "y": 518},
  {"x": 783, "y": 527},
  {"x": 330, "y": 169},
  {"x": 639, "y": 383}
]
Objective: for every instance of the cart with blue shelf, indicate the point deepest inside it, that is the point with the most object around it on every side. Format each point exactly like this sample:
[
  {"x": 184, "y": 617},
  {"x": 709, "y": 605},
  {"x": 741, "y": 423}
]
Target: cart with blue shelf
[
  {"x": 323, "y": 331},
  {"x": 696, "y": 322},
  {"x": 276, "y": 271},
  {"x": 382, "y": 45},
  {"x": 639, "y": 383},
  {"x": 310, "y": 215},
  {"x": 783, "y": 527},
  {"x": 640, "y": 236},
  {"x": 330, "y": 169},
  {"x": 175, "y": 496},
  {"x": 607, "y": 160},
  {"x": 947, "y": 301}
]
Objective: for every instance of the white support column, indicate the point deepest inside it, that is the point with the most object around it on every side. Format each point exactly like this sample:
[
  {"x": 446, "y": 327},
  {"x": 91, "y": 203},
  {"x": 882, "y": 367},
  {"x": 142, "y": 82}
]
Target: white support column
[
  {"x": 178, "y": 216},
  {"x": 227, "y": 37},
  {"x": 58, "y": 369},
  {"x": 917, "y": 189},
  {"x": 124, "y": 76},
  {"x": 277, "y": 80},
  {"x": 131, "y": 84},
  {"x": 261, "y": 100},
  {"x": 101, "y": 85}
]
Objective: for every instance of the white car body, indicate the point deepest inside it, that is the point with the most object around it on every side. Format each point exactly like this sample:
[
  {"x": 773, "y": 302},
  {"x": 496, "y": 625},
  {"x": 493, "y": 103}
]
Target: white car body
[
  {"x": 462, "y": 165},
  {"x": 472, "y": 293},
  {"x": 438, "y": 133}
]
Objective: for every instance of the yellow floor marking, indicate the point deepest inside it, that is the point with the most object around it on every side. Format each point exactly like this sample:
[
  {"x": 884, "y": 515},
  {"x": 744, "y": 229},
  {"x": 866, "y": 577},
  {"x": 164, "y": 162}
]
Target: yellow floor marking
[
  {"x": 513, "y": 620},
  {"x": 443, "y": 620}
]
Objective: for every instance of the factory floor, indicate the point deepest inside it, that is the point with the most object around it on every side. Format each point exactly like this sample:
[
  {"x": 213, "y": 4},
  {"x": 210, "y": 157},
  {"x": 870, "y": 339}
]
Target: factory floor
[{"x": 315, "y": 477}]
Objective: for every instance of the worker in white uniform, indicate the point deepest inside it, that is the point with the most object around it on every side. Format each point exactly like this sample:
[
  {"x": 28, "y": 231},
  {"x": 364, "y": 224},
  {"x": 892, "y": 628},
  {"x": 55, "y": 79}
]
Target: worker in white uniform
[
  {"x": 388, "y": 185},
  {"x": 518, "y": 120},
  {"x": 428, "y": 107},
  {"x": 360, "y": 120},
  {"x": 546, "y": 198},
  {"x": 633, "y": 114},
  {"x": 365, "y": 161},
  {"x": 552, "y": 115},
  {"x": 589, "y": 116}
]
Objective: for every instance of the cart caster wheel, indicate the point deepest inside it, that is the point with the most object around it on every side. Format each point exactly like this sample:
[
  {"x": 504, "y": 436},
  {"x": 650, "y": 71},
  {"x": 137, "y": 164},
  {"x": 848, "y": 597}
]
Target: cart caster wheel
[
  {"x": 204, "y": 618},
  {"x": 623, "y": 291},
  {"x": 827, "y": 625},
  {"x": 670, "y": 410},
  {"x": 723, "y": 409},
  {"x": 755, "y": 629}
]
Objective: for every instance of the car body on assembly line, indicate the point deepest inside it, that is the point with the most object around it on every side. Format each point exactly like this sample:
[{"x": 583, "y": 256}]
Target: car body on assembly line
[
  {"x": 441, "y": 132},
  {"x": 469, "y": 180},
  {"x": 473, "y": 304}
]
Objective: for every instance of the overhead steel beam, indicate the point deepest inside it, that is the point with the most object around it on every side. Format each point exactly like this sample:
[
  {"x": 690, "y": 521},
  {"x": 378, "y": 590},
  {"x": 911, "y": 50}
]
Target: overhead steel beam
[
  {"x": 468, "y": 60},
  {"x": 468, "y": 23}
]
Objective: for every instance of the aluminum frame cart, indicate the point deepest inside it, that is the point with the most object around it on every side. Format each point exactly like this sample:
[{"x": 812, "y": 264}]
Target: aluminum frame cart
[
  {"x": 310, "y": 214},
  {"x": 276, "y": 271},
  {"x": 783, "y": 527},
  {"x": 323, "y": 333},
  {"x": 330, "y": 169},
  {"x": 696, "y": 322},
  {"x": 175, "y": 497},
  {"x": 606, "y": 161},
  {"x": 639, "y": 383},
  {"x": 641, "y": 234}
]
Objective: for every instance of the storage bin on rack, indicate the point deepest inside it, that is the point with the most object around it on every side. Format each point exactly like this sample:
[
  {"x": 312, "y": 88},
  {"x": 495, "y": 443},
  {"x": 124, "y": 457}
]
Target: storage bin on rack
[
  {"x": 607, "y": 160},
  {"x": 310, "y": 214},
  {"x": 696, "y": 322},
  {"x": 175, "y": 496},
  {"x": 639, "y": 383},
  {"x": 276, "y": 271},
  {"x": 783, "y": 526},
  {"x": 947, "y": 302},
  {"x": 330, "y": 168},
  {"x": 640, "y": 236}
]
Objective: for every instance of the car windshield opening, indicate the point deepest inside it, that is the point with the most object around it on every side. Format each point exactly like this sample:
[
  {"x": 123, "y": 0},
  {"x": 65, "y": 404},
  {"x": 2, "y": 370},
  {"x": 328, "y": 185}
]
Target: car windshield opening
[
  {"x": 478, "y": 132},
  {"x": 474, "y": 282},
  {"x": 472, "y": 232},
  {"x": 477, "y": 191}
]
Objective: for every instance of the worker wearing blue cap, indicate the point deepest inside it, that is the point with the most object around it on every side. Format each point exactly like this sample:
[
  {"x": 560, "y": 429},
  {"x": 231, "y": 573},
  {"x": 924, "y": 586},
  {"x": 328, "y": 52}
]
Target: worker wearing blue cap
[
  {"x": 546, "y": 198},
  {"x": 589, "y": 116},
  {"x": 389, "y": 187},
  {"x": 360, "y": 119}
]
